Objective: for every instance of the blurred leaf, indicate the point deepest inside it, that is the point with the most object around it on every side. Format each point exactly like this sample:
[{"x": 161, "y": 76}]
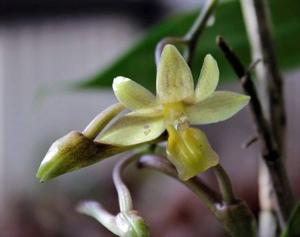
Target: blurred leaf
[
  {"x": 293, "y": 227},
  {"x": 138, "y": 62}
]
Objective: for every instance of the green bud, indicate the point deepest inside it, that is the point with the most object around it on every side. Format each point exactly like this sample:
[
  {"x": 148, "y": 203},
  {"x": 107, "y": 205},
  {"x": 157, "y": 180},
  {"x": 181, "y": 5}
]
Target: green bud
[
  {"x": 130, "y": 224},
  {"x": 77, "y": 150},
  {"x": 124, "y": 224},
  {"x": 70, "y": 152}
]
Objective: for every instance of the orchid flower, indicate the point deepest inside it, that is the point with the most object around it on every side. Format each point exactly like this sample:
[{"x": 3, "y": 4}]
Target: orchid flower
[{"x": 176, "y": 106}]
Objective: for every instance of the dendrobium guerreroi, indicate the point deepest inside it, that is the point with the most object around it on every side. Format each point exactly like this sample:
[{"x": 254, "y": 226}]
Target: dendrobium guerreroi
[{"x": 176, "y": 107}]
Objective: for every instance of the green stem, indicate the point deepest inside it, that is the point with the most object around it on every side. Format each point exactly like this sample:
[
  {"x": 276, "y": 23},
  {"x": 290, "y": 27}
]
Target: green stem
[
  {"x": 225, "y": 184},
  {"x": 127, "y": 222},
  {"x": 208, "y": 196},
  {"x": 124, "y": 196},
  {"x": 236, "y": 217},
  {"x": 101, "y": 120}
]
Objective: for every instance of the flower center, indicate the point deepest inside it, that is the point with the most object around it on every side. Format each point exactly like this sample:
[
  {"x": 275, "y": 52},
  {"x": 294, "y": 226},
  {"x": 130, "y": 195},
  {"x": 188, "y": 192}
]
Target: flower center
[{"x": 174, "y": 114}]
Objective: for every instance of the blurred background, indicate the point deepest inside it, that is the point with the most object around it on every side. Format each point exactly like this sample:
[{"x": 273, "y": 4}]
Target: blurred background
[{"x": 44, "y": 45}]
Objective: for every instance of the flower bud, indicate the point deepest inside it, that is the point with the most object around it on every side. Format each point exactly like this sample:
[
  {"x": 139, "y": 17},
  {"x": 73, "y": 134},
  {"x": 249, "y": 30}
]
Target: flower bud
[
  {"x": 189, "y": 150},
  {"x": 70, "y": 152},
  {"x": 124, "y": 224},
  {"x": 131, "y": 224}
]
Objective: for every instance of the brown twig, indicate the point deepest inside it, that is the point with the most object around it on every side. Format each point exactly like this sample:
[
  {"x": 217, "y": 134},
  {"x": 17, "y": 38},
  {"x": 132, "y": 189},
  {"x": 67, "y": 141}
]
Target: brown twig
[
  {"x": 191, "y": 38},
  {"x": 193, "y": 35},
  {"x": 270, "y": 151},
  {"x": 272, "y": 73},
  {"x": 258, "y": 25},
  {"x": 249, "y": 87},
  {"x": 251, "y": 140}
]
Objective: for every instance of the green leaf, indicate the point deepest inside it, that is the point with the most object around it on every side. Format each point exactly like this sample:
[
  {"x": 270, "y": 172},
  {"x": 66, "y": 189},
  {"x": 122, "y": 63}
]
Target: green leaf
[
  {"x": 293, "y": 227},
  {"x": 138, "y": 62}
]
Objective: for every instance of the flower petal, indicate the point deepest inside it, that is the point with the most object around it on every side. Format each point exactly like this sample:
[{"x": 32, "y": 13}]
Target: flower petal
[
  {"x": 174, "y": 80},
  {"x": 208, "y": 79},
  {"x": 132, "y": 95},
  {"x": 133, "y": 128},
  {"x": 221, "y": 105},
  {"x": 190, "y": 152}
]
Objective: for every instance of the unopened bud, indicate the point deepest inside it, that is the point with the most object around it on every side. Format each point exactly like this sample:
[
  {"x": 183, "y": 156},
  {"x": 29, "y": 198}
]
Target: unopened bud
[
  {"x": 124, "y": 224},
  {"x": 70, "y": 152},
  {"x": 130, "y": 224}
]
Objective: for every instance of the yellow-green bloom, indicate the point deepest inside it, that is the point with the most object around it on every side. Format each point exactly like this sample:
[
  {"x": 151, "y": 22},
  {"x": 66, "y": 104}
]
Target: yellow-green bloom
[{"x": 176, "y": 105}]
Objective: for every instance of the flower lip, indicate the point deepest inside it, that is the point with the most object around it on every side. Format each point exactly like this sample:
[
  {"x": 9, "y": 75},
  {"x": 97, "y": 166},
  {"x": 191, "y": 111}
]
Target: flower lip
[{"x": 189, "y": 150}]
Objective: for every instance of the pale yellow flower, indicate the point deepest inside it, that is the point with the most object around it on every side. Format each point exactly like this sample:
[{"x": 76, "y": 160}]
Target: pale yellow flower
[{"x": 177, "y": 104}]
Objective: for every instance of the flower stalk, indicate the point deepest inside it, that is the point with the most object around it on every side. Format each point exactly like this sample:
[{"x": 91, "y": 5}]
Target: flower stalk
[
  {"x": 93, "y": 129},
  {"x": 124, "y": 196},
  {"x": 234, "y": 214},
  {"x": 127, "y": 223},
  {"x": 158, "y": 163},
  {"x": 225, "y": 185}
]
